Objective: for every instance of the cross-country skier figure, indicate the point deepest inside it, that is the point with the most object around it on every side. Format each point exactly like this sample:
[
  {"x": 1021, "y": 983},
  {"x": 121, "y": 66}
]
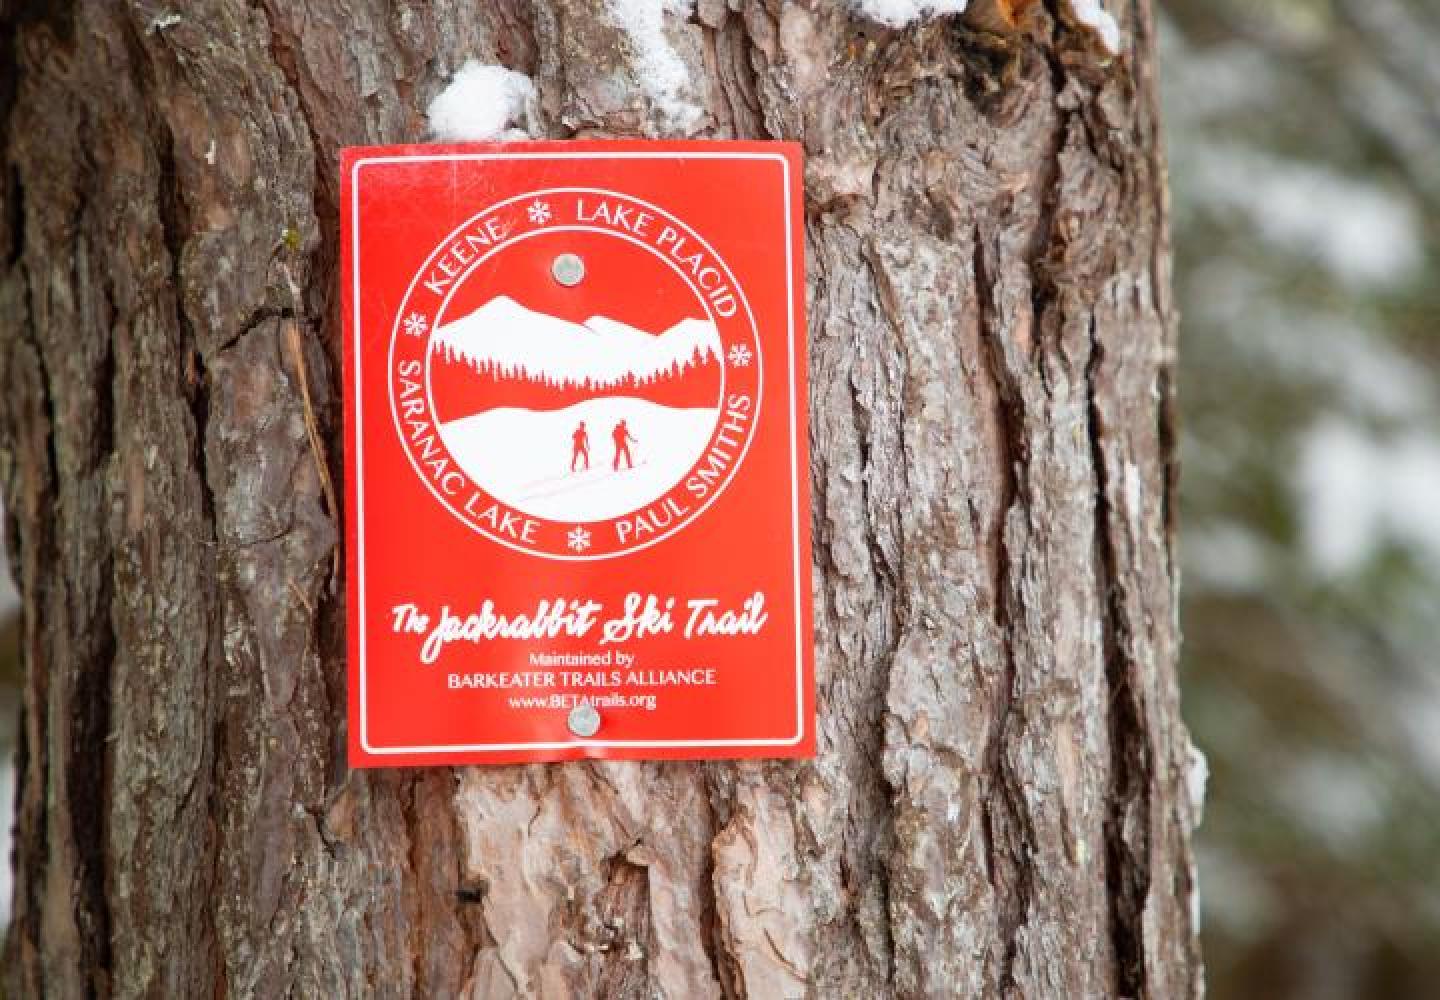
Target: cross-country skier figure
[
  {"x": 623, "y": 441},
  {"x": 581, "y": 439}
]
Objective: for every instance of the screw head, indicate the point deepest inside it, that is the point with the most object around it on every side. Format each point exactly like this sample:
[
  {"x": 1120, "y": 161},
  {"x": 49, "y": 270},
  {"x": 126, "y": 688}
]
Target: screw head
[
  {"x": 584, "y": 720},
  {"x": 568, "y": 269}
]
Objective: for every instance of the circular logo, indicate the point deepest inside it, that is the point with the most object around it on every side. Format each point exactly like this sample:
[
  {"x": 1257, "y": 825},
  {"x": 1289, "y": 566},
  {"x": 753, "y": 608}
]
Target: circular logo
[{"x": 575, "y": 373}]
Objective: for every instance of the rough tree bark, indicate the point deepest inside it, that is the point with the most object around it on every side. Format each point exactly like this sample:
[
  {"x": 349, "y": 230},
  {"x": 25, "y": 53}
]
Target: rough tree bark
[{"x": 998, "y": 806}]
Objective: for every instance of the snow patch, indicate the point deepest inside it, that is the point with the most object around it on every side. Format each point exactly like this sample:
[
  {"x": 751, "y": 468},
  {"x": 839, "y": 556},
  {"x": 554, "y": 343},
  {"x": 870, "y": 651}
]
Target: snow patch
[
  {"x": 1204, "y": 85},
  {"x": 898, "y": 13},
  {"x": 1416, "y": 707},
  {"x": 1303, "y": 346},
  {"x": 1238, "y": 896},
  {"x": 481, "y": 102},
  {"x": 1224, "y": 557},
  {"x": 1099, "y": 20},
  {"x": 1338, "y": 799},
  {"x": 167, "y": 20},
  {"x": 1362, "y": 233},
  {"x": 658, "y": 68},
  {"x": 1197, "y": 776},
  {"x": 1359, "y": 492}
]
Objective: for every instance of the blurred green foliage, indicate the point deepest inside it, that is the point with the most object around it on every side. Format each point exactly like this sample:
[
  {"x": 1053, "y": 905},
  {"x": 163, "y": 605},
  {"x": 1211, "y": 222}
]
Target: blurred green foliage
[{"x": 1304, "y": 142}]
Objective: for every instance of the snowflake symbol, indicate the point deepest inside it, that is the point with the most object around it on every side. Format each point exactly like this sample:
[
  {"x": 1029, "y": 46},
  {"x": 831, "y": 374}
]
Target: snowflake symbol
[
  {"x": 578, "y": 539},
  {"x": 539, "y": 212},
  {"x": 416, "y": 325},
  {"x": 740, "y": 356}
]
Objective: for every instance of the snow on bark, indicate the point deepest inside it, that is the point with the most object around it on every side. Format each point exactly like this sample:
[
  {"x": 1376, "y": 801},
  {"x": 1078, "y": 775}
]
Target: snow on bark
[
  {"x": 1093, "y": 15},
  {"x": 898, "y": 13},
  {"x": 481, "y": 102},
  {"x": 658, "y": 67}
]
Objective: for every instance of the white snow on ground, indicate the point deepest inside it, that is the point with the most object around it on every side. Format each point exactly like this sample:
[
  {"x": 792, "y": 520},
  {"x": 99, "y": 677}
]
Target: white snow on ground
[
  {"x": 504, "y": 332},
  {"x": 1415, "y": 708},
  {"x": 658, "y": 68},
  {"x": 1337, "y": 797},
  {"x": 1238, "y": 895},
  {"x": 1296, "y": 344},
  {"x": 1363, "y": 233},
  {"x": 522, "y": 457},
  {"x": 1224, "y": 557},
  {"x": 1203, "y": 84},
  {"x": 898, "y": 13},
  {"x": 1359, "y": 491},
  {"x": 480, "y": 102}
]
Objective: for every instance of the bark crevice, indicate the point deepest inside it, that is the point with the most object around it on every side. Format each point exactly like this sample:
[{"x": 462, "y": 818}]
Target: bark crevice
[{"x": 1127, "y": 864}]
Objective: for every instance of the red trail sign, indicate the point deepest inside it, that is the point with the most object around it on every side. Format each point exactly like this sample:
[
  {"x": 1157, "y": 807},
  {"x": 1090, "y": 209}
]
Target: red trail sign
[{"x": 577, "y": 485}]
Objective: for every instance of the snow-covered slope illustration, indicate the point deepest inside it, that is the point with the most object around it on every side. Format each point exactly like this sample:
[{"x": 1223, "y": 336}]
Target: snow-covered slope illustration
[
  {"x": 574, "y": 422},
  {"x": 507, "y": 336},
  {"x": 527, "y": 459}
]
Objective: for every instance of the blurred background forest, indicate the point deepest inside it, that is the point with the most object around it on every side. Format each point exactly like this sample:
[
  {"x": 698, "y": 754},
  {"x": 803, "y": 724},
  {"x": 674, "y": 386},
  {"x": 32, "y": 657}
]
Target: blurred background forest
[{"x": 1304, "y": 144}]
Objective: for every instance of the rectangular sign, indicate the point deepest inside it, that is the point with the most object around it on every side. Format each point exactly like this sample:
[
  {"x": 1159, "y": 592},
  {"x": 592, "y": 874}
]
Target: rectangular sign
[{"x": 577, "y": 481}]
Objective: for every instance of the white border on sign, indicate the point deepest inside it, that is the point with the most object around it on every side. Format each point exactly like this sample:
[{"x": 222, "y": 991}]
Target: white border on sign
[{"x": 794, "y": 457}]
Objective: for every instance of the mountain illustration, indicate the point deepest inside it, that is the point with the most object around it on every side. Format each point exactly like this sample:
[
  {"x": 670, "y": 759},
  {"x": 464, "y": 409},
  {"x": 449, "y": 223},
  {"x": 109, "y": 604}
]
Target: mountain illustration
[
  {"x": 571, "y": 421},
  {"x": 504, "y": 354}
]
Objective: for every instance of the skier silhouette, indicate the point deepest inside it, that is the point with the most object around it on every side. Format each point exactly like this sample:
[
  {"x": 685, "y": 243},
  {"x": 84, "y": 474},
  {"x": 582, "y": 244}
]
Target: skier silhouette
[
  {"x": 623, "y": 441},
  {"x": 581, "y": 438}
]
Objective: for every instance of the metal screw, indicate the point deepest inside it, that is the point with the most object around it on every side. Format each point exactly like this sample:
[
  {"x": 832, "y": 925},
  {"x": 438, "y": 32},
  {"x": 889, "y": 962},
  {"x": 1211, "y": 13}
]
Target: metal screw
[
  {"x": 568, "y": 269},
  {"x": 584, "y": 720}
]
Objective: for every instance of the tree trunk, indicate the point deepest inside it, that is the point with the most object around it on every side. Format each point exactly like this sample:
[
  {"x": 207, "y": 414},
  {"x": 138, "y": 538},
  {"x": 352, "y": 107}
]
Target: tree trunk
[{"x": 998, "y": 805}]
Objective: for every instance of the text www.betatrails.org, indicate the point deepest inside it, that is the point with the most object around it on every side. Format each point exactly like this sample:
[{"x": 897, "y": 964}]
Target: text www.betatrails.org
[{"x": 565, "y": 702}]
